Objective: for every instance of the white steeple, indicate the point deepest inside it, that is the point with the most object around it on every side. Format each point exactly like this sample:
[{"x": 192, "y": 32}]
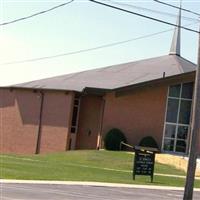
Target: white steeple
[{"x": 176, "y": 41}]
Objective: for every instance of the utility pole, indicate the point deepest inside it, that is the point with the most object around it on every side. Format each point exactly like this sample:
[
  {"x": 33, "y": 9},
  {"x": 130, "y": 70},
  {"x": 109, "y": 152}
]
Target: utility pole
[{"x": 195, "y": 133}]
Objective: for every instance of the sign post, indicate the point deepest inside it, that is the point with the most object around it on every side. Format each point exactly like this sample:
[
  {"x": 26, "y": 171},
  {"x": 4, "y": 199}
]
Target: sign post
[{"x": 144, "y": 161}]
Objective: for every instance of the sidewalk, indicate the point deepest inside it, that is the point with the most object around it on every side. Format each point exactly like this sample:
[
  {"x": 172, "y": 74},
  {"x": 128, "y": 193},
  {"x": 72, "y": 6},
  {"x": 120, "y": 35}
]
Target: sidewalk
[{"x": 94, "y": 184}]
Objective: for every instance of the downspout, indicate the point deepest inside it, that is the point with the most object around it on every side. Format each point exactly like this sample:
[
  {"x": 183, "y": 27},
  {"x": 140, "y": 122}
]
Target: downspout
[{"x": 37, "y": 151}]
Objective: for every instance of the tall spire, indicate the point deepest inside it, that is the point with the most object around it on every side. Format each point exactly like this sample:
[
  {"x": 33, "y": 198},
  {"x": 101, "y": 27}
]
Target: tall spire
[{"x": 176, "y": 41}]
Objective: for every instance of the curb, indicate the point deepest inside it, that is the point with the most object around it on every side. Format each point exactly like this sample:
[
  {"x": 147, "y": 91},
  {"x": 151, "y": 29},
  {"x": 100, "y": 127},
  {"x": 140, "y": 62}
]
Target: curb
[{"x": 94, "y": 184}]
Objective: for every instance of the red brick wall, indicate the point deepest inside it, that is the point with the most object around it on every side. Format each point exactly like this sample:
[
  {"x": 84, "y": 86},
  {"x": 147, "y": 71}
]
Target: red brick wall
[
  {"x": 137, "y": 115},
  {"x": 55, "y": 122},
  {"x": 140, "y": 112},
  {"x": 89, "y": 120},
  {"x": 19, "y": 112},
  {"x": 19, "y": 119}
]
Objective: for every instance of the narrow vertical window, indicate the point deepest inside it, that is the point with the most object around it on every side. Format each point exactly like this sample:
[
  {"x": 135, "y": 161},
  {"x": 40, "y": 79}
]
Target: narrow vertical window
[{"x": 74, "y": 123}]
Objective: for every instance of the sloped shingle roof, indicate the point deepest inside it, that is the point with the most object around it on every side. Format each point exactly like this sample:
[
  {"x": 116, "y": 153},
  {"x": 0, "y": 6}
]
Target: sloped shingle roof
[{"x": 116, "y": 76}]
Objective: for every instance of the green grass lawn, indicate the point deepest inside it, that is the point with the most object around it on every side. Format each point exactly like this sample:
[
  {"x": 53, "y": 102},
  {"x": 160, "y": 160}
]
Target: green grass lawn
[{"x": 100, "y": 166}]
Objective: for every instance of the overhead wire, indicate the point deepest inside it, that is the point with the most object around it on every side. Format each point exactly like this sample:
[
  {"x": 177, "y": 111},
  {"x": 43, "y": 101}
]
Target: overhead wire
[
  {"x": 170, "y": 5},
  {"x": 98, "y": 47},
  {"x": 88, "y": 49},
  {"x": 36, "y": 14},
  {"x": 144, "y": 16},
  {"x": 151, "y": 10}
]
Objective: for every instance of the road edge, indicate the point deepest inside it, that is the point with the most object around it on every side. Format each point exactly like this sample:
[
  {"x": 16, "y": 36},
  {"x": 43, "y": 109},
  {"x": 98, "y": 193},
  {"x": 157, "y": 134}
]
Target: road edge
[{"x": 94, "y": 184}]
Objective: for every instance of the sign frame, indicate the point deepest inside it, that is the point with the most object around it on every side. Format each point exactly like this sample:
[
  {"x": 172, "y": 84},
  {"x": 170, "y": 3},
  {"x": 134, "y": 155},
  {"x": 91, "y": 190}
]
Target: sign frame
[{"x": 144, "y": 161}]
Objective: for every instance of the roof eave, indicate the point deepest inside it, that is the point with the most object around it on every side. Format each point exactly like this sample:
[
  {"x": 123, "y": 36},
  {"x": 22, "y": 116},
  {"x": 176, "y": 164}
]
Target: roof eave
[{"x": 126, "y": 89}]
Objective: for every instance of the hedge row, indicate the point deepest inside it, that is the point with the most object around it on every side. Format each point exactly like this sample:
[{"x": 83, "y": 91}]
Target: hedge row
[{"x": 115, "y": 136}]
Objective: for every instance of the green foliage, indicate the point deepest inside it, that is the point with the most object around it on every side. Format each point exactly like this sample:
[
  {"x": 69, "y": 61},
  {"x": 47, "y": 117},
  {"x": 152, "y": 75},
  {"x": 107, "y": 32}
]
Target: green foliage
[
  {"x": 113, "y": 139},
  {"x": 148, "y": 141}
]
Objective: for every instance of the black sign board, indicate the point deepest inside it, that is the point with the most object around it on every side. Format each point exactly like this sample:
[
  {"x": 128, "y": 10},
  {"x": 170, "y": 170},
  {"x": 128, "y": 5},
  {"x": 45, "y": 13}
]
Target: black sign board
[{"x": 144, "y": 162}]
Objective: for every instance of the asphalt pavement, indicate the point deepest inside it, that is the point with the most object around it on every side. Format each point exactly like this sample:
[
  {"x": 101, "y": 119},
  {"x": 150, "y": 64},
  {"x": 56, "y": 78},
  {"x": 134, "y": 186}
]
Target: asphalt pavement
[{"x": 24, "y": 191}]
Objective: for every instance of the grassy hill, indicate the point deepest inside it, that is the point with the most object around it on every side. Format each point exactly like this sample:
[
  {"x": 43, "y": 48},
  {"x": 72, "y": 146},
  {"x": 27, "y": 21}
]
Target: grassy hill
[{"x": 100, "y": 166}]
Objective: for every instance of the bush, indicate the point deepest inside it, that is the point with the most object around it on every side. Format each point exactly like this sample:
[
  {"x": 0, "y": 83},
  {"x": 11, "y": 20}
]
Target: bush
[
  {"x": 148, "y": 141},
  {"x": 113, "y": 139}
]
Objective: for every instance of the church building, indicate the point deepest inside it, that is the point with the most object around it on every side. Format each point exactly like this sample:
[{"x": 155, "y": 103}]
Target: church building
[{"x": 151, "y": 97}]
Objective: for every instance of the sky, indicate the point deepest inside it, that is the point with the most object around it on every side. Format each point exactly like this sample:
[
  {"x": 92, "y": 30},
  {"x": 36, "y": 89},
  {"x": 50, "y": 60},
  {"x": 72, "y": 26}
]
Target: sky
[{"x": 83, "y": 25}]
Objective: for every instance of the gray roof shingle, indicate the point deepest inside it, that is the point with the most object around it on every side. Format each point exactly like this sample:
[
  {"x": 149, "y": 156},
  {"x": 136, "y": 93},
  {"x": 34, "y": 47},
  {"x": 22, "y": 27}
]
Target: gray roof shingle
[{"x": 116, "y": 76}]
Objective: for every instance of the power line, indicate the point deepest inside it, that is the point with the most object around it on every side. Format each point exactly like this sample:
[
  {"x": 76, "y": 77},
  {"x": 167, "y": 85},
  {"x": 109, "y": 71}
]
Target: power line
[
  {"x": 87, "y": 50},
  {"x": 36, "y": 14},
  {"x": 145, "y": 16},
  {"x": 170, "y": 5},
  {"x": 152, "y": 11}
]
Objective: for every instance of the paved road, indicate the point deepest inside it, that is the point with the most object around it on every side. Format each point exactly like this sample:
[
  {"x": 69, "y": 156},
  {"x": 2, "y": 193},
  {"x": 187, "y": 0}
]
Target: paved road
[{"x": 11, "y": 191}]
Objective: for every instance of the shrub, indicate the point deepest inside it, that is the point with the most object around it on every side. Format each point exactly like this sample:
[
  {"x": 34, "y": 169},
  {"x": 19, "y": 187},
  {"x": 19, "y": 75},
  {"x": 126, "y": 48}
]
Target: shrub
[
  {"x": 113, "y": 139},
  {"x": 148, "y": 141}
]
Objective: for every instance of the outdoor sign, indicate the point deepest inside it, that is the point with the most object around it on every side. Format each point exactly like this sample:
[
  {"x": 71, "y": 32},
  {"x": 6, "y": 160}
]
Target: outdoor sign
[{"x": 144, "y": 161}]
